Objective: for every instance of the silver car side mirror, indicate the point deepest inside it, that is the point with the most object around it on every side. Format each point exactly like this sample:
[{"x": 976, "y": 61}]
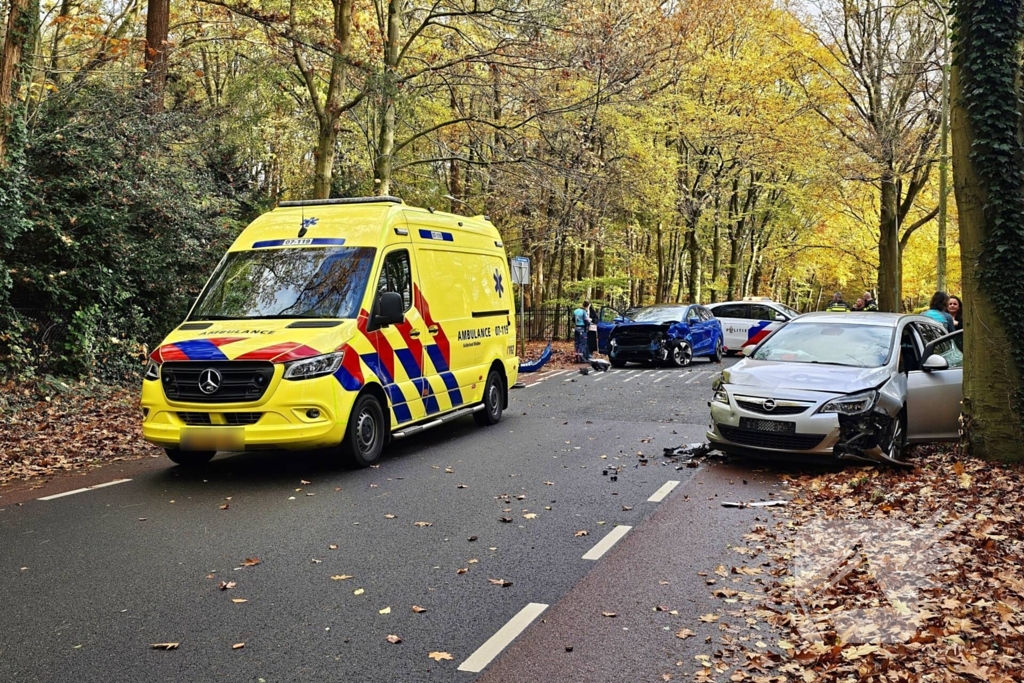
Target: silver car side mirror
[{"x": 935, "y": 362}]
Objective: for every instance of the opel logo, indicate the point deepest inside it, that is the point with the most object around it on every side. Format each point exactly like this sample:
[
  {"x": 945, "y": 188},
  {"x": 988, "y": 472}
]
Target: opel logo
[
  {"x": 209, "y": 381},
  {"x": 768, "y": 405}
]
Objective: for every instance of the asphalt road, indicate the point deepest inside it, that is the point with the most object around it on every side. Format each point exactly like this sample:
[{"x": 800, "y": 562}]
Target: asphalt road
[{"x": 89, "y": 581}]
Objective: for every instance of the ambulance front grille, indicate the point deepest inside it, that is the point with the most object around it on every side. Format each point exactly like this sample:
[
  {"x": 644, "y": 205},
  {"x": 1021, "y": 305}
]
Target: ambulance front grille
[
  {"x": 195, "y": 418},
  {"x": 238, "y": 381},
  {"x": 242, "y": 418}
]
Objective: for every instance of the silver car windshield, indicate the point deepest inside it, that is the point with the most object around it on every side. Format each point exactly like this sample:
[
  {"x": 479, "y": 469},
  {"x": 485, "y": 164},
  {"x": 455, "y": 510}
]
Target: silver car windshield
[{"x": 861, "y": 346}]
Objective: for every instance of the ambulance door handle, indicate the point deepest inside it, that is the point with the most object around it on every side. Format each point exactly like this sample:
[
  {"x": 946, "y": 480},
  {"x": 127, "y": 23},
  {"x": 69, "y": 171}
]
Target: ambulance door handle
[
  {"x": 414, "y": 333},
  {"x": 433, "y": 329}
]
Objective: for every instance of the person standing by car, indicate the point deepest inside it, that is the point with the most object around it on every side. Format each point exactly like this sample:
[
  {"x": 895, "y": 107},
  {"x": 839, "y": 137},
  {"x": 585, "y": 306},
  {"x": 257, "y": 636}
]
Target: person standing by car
[
  {"x": 869, "y": 302},
  {"x": 937, "y": 310},
  {"x": 838, "y": 305},
  {"x": 581, "y": 318},
  {"x": 858, "y": 305},
  {"x": 955, "y": 308},
  {"x": 592, "y": 332}
]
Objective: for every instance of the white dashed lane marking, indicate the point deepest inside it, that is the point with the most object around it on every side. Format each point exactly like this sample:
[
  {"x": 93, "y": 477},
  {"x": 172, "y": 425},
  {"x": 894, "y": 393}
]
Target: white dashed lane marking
[
  {"x": 605, "y": 544},
  {"x": 500, "y": 640},
  {"x": 88, "y": 488},
  {"x": 660, "y": 494}
]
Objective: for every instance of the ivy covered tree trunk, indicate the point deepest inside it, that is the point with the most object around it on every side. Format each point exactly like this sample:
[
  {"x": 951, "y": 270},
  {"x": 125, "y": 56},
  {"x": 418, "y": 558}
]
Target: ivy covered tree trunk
[
  {"x": 988, "y": 175},
  {"x": 18, "y": 41}
]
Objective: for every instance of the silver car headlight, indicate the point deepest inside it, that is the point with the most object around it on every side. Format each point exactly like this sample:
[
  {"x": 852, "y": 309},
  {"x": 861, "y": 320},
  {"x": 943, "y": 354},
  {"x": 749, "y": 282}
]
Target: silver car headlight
[
  {"x": 720, "y": 397},
  {"x": 317, "y": 366},
  {"x": 854, "y": 404}
]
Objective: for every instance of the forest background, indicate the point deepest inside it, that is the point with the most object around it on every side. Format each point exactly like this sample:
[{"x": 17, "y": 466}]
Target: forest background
[{"x": 636, "y": 151}]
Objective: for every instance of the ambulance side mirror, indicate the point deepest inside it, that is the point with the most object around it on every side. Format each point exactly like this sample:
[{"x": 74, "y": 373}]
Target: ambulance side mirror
[{"x": 389, "y": 310}]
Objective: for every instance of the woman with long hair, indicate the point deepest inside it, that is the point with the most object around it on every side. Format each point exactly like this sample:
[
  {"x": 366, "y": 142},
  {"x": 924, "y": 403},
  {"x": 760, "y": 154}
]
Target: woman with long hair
[
  {"x": 955, "y": 308},
  {"x": 937, "y": 310}
]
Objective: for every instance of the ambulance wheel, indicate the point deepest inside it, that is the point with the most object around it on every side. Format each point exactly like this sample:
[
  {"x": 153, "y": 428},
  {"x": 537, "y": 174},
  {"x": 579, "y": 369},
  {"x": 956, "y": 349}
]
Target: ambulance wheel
[
  {"x": 491, "y": 413},
  {"x": 366, "y": 432},
  {"x": 189, "y": 458}
]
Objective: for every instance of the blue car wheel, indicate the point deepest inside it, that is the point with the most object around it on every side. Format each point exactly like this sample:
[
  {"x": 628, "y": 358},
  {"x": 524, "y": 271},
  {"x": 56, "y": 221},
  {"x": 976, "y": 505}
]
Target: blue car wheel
[{"x": 681, "y": 354}]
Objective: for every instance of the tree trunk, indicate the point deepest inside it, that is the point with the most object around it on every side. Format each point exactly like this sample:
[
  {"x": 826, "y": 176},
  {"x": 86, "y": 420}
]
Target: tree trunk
[
  {"x": 660, "y": 286},
  {"x": 889, "y": 249},
  {"x": 695, "y": 262},
  {"x": 992, "y": 426},
  {"x": 158, "y": 24},
  {"x": 383, "y": 161},
  {"x": 21, "y": 32}
]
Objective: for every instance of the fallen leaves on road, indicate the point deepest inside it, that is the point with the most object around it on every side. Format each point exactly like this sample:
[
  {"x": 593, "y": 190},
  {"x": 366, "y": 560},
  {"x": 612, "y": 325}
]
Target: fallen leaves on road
[
  {"x": 165, "y": 646},
  {"x": 710, "y": 618},
  {"x": 391, "y": 516},
  {"x": 341, "y": 577},
  {"x": 423, "y": 524},
  {"x": 609, "y": 614},
  {"x": 224, "y": 506},
  {"x": 685, "y": 633},
  {"x": 582, "y": 532},
  {"x": 49, "y": 426},
  {"x": 226, "y": 585},
  {"x": 462, "y": 570},
  {"x": 438, "y": 656},
  {"x": 238, "y": 646},
  {"x": 238, "y": 601},
  {"x": 500, "y": 582},
  {"x": 250, "y": 562},
  {"x": 927, "y": 585},
  {"x": 386, "y": 610},
  {"x": 418, "y": 610},
  {"x": 358, "y": 591},
  {"x": 505, "y": 520},
  {"x": 530, "y": 515},
  {"x": 393, "y": 639},
  {"x": 332, "y": 547}
]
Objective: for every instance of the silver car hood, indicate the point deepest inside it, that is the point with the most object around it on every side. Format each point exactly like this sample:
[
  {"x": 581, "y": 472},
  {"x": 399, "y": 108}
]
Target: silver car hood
[{"x": 835, "y": 379}]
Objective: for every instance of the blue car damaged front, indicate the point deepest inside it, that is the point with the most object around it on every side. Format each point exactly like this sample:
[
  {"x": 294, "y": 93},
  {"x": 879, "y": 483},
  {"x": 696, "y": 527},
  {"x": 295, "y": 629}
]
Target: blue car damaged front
[{"x": 666, "y": 334}]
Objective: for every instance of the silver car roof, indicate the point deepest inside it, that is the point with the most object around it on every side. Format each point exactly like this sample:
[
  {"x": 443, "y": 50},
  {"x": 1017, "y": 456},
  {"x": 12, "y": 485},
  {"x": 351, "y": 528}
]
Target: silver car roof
[{"x": 859, "y": 318}]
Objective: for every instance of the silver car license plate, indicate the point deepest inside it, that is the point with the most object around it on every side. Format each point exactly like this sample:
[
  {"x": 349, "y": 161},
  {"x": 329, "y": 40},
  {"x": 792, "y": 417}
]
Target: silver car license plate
[{"x": 770, "y": 426}]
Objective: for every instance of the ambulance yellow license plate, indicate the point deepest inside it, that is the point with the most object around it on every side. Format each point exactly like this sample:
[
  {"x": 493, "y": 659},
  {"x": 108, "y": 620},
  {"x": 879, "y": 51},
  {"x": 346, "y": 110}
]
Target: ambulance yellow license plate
[{"x": 213, "y": 438}]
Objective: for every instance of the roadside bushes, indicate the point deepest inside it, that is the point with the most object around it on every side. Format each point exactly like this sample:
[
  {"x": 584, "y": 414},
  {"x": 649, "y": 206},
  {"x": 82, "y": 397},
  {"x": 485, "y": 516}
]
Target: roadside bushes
[{"x": 125, "y": 214}]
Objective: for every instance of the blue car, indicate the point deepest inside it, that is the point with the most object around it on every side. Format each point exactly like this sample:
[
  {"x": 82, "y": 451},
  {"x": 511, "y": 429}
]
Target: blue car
[{"x": 667, "y": 333}]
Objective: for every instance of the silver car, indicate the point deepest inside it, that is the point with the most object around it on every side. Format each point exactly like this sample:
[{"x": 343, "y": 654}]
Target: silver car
[{"x": 849, "y": 385}]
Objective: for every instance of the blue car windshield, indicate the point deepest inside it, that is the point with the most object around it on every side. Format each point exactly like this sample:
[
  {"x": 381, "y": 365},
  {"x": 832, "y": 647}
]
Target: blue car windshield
[
  {"x": 658, "y": 314},
  {"x": 317, "y": 282},
  {"x": 861, "y": 346}
]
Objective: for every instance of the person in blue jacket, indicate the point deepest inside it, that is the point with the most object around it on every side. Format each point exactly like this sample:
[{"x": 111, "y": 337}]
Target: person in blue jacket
[
  {"x": 937, "y": 310},
  {"x": 581, "y": 318}
]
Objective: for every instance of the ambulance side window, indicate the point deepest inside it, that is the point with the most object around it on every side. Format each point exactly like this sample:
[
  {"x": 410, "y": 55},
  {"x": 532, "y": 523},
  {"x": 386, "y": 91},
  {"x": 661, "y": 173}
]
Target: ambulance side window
[{"x": 396, "y": 276}]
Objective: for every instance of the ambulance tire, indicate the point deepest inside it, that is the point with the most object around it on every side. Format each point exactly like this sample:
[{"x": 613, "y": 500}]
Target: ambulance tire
[
  {"x": 491, "y": 414},
  {"x": 366, "y": 432},
  {"x": 189, "y": 458}
]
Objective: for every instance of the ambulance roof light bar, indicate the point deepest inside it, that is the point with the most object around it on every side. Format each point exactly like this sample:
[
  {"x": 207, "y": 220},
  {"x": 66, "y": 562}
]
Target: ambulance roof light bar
[{"x": 343, "y": 200}]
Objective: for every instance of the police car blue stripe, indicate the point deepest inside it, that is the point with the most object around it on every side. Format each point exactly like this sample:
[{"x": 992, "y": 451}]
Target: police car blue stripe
[{"x": 299, "y": 242}]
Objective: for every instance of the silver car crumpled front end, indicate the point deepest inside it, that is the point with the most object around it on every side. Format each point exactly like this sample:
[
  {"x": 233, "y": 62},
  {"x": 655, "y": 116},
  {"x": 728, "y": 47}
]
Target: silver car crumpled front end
[
  {"x": 868, "y": 435},
  {"x": 827, "y": 421}
]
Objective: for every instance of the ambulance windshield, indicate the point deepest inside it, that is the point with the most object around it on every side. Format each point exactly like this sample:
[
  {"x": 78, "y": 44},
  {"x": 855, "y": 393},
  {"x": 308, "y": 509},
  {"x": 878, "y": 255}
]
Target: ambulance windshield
[{"x": 321, "y": 282}]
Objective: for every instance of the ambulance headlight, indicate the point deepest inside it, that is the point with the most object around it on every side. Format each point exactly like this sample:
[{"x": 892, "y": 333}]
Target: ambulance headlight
[
  {"x": 152, "y": 370},
  {"x": 317, "y": 366}
]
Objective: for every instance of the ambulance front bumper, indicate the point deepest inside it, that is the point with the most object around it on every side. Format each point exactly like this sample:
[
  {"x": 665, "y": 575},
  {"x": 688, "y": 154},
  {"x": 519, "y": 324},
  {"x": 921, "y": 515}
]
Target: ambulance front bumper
[{"x": 292, "y": 415}]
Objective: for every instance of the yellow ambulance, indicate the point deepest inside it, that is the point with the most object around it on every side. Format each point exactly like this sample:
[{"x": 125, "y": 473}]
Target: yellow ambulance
[{"x": 338, "y": 322}]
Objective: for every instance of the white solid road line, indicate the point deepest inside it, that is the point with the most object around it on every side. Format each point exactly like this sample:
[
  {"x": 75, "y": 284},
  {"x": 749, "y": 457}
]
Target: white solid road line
[
  {"x": 631, "y": 377},
  {"x": 500, "y": 640},
  {"x": 660, "y": 494},
  {"x": 88, "y": 488},
  {"x": 663, "y": 376},
  {"x": 605, "y": 544}
]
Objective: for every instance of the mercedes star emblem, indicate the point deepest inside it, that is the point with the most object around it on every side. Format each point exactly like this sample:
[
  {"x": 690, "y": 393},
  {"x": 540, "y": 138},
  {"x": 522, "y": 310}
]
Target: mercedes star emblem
[
  {"x": 209, "y": 381},
  {"x": 768, "y": 405}
]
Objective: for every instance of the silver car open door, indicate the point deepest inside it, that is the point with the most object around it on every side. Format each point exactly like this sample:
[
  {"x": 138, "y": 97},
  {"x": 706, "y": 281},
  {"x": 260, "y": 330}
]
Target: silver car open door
[{"x": 935, "y": 388}]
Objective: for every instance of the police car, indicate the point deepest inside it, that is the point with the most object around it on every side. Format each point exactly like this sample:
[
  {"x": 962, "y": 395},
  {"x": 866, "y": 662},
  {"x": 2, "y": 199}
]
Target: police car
[{"x": 750, "y": 320}]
